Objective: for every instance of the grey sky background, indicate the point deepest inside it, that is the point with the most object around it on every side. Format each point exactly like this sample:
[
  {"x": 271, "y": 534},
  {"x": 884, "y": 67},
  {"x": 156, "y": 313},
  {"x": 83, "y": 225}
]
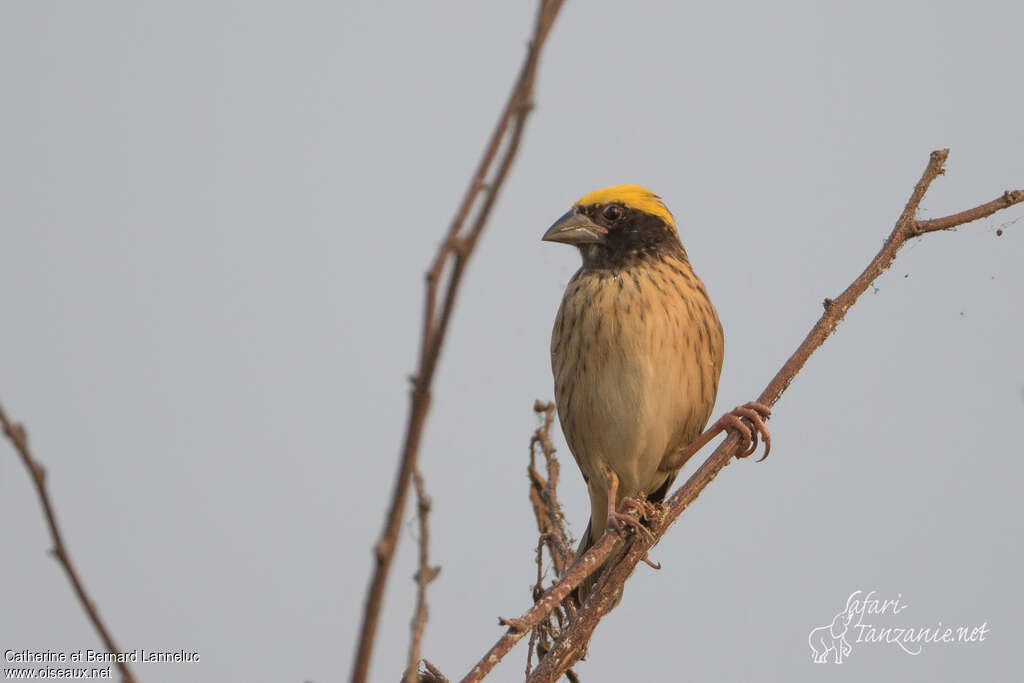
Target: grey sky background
[{"x": 216, "y": 218}]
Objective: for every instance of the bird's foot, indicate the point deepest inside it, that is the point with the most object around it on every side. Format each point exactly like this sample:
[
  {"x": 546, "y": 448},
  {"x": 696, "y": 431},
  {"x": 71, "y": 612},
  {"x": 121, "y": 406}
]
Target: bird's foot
[
  {"x": 732, "y": 421},
  {"x": 643, "y": 508},
  {"x": 620, "y": 521},
  {"x": 757, "y": 413}
]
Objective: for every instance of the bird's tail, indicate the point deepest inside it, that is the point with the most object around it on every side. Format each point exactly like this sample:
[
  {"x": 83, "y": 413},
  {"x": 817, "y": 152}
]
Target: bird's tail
[{"x": 586, "y": 586}]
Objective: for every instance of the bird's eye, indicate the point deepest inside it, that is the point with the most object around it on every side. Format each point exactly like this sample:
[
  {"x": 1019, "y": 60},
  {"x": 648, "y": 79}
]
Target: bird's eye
[{"x": 612, "y": 212}]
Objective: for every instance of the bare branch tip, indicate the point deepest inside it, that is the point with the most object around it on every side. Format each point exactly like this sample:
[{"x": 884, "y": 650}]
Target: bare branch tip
[
  {"x": 542, "y": 407},
  {"x": 516, "y": 625}
]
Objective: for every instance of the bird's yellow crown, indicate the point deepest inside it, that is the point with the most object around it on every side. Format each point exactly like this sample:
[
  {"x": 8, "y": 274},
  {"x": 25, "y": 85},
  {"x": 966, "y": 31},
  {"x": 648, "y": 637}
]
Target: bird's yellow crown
[{"x": 633, "y": 197}]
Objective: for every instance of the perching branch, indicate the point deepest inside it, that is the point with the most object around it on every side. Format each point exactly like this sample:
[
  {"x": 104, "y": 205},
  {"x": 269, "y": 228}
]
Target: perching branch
[
  {"x": 453, "y": 254},
  {"x": 572, "y": 642},
  {"x": 19, "y": 439},
  {"x": 517, "y": 628}
]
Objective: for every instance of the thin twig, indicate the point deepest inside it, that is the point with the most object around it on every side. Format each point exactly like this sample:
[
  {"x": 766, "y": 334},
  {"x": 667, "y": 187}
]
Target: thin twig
[
  {"x": 19, "y": 439},
  {"x": 567, "y": 649},
  {"x": 538, "y": 591},
  {"x": 455, "y": 249},
  {"x": 424, "y": 575},
  {"x": 553, "y": 596},
  {"x": 1008, "y": 198},
  {"x": 544, "y": 492},
  {"x": 551, "y": 528}
]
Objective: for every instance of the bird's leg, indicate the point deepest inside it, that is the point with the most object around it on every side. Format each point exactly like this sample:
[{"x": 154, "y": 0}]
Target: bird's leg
[
  {"x": 619, "y": 520},
  {"x": 732, "y": 421}
]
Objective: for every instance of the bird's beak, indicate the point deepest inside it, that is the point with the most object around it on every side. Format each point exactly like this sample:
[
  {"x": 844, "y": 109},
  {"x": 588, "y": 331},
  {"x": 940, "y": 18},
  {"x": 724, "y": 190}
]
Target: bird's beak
[{"x": 575, "y": 228}]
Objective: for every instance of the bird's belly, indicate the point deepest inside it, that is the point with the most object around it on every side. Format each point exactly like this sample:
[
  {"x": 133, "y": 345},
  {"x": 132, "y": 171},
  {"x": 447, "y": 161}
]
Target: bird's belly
[
  {"x": 625, "y": 422},
  {"x": 633, "y": 394}
]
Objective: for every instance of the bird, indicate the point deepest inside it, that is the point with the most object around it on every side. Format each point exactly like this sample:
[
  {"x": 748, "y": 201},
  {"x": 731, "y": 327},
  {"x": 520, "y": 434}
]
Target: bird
[{"x": 636, "y": 355}]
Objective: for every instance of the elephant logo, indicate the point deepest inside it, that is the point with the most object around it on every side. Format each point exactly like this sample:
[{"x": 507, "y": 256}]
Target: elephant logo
[{"x": 832, "y": 637}]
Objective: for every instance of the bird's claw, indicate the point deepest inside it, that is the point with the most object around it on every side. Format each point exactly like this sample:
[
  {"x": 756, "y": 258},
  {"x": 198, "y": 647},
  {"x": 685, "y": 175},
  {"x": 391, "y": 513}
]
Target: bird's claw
[
  {"x": 756, "y": 413},
  {"x": 641, "y": 506},
  {"x": 653, "y": 565},
  {"x": 619, "y": 521}
]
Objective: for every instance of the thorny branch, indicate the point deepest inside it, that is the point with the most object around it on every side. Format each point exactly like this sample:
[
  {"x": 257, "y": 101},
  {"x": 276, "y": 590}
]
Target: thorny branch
[
  {"x": 551, "y": 528},
  {"x": 544, "y": 493},
  {"x": 19, "y": 439},
  {"x": 571, "y": 644},
  {"x": 452, "y": 255}
]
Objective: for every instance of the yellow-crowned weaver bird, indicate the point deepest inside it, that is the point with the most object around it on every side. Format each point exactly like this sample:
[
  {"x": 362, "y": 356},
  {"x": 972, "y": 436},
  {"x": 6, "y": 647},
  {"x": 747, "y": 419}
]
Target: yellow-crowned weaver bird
[{"x": 636, "y": 354}]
